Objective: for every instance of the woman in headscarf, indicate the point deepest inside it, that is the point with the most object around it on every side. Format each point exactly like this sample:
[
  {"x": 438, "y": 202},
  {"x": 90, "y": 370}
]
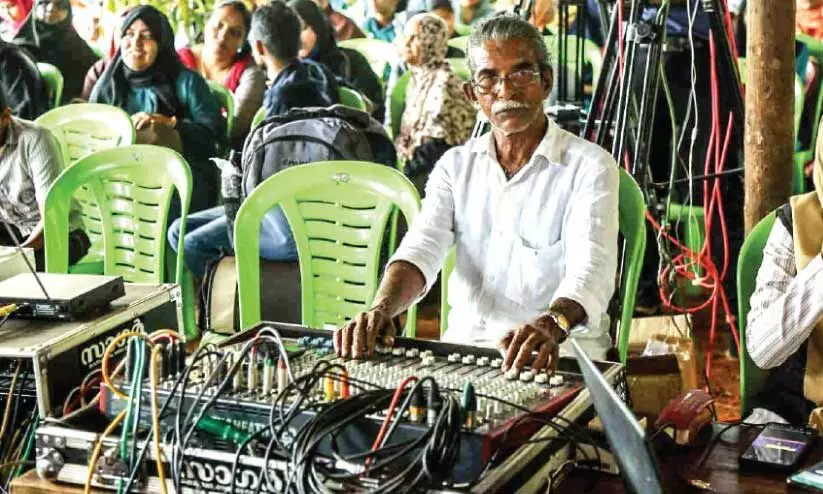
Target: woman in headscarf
[
  {"x": 317, "y": 43},
  {"x": 438, "y": 116},
  {"x": 13, "y": 14},
  {"x": 169, "y": 104},
  {"x": 50, "y": 37},
  {"x": 785, "y": 325},
  {"x": 225, "y": 58},
  {"x": 101, "y": 65}
]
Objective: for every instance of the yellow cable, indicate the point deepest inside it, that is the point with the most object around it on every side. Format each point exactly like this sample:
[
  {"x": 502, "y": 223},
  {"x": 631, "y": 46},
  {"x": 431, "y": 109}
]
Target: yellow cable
[
  {"x": 8, "y": 399},
  {"x": 155, "y": 416},
  {"x": 99, "y": 446},
  {"x": 7, "y": 310}
]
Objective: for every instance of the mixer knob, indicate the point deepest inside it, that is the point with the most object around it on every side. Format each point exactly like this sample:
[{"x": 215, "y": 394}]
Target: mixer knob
[
  {"x": 526, "y": 376},
  {"x": 541, "y": 378},
  {"x": 398, "y": 352},
  {"x": 497, "y": 362},
  {"x": 556, "y": 380},
  {"x": 412, "y": 352},
  {"x": 512, "y": 374},
  {"x": 468, "y": 359},
  {"x": 483, "y": 361},
  {"x": 454, "y": 358}
]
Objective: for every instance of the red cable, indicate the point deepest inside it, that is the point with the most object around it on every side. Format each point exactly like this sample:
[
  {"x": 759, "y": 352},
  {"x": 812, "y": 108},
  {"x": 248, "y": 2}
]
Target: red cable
[{"x": 378, "y": 441}]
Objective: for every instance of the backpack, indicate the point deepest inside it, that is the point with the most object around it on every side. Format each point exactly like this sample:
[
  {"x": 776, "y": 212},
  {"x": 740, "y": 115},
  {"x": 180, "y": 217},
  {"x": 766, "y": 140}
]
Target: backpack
[{"x": 306, "y": 135}]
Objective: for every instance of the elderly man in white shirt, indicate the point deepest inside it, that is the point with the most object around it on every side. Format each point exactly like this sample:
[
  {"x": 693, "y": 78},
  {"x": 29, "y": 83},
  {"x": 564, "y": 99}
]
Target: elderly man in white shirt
[{"x": 531, "y": 210}]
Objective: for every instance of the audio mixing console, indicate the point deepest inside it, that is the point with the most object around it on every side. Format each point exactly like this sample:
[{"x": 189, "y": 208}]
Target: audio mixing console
[{"x": 232, "y": 396}]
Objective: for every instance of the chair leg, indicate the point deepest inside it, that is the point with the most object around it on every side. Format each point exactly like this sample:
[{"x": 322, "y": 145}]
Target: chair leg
[{"x": 190, "y": 329}]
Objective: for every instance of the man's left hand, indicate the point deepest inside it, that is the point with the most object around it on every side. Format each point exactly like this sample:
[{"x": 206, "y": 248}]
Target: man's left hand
[{"x": 542, "y": 335}]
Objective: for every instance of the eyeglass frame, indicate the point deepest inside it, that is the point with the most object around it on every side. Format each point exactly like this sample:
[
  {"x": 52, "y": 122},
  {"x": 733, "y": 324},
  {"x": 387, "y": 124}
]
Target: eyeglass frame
[{"x": 536, "y": 73}]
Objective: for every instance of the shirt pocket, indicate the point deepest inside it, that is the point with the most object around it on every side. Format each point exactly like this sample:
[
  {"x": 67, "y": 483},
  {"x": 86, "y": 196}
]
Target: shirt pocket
[{"x": 534, "y": 274}]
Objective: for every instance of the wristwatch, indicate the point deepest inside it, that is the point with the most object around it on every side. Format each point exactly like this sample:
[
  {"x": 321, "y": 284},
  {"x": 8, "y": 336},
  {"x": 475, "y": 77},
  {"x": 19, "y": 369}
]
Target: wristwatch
[{"x": 561, "y": 321}]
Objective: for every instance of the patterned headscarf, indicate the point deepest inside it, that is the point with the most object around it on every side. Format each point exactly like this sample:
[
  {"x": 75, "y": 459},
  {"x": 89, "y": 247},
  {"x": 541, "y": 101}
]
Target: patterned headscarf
[{"x": 436, "y": 107}]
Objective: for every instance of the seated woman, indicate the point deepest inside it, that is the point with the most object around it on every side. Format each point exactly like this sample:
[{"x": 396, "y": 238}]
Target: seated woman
[
  {"x": 51, "y": 38},
  {"x": 21, "y": 83},
  {"x": 225, "y": 58},
  {"x": 441, "y": 116},
  {"x": 170, "y": 105},
  {"x": 13, "y": 14},
  {"x": 785, "y": 330},
  {"x": 317, "y": 43}
]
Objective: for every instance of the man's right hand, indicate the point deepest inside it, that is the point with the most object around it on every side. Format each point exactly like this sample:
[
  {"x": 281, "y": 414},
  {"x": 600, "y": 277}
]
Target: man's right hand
[{"x": 358, "y": 338}]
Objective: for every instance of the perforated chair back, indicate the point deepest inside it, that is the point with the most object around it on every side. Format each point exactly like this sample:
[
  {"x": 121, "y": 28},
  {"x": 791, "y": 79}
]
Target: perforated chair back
[
  {"x": 83, "y": 129},
  {"x": 53, "y": 79},
  {"x": 379, "y": 53},
  {"x": 226, "y": 100},
  {"x": 133, "y": 186},
  {"x": 748, "y": 264},
  {"x": 338, "y": 213}
]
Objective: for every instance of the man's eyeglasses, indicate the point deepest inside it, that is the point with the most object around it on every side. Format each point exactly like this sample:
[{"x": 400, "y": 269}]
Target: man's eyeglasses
[{"x": 521, "y": 79}]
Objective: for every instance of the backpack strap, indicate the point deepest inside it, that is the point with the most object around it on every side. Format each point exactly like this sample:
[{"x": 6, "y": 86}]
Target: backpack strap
[{"x": 784, "y": 214}]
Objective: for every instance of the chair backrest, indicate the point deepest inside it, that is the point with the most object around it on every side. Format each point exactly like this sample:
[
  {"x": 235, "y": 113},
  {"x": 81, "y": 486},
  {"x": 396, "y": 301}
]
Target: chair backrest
[
  {"x": 460, "y": 66},
  {"x": 133, "y": 186},
  {"x": 338, "y": 212},
  {"x": 398, "y": 103},
  {"x": 226, "y": 100},
  {"x": 53, "y": 79},
  {"x": 352, "y": 99},
  {"x": 748, "y": 264},
  {"x": 258, "y": 117},
  {"x": 379, "y": 53},
  {"x": 459, "y": 42},
  {"x": 631, "y": 212},
  {"x": 591, "y": 52},
  {"x": 83, "y": 129}
]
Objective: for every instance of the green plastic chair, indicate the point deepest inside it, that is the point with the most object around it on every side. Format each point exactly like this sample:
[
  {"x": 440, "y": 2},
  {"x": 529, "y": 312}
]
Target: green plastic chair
[
  {"x": 133, "y": 186},
  {"x": 352, "y": 99},
  {"x": 751, "y": 257},
  {"x": 258, "y": 117},
  {"x": 338, "y": 212},
  {"x": 226, "y": 100},
  {"x": 83, "y": 129},
  {"x": 397, "y": 103},
  {"x": 591, "y": 52},
  {"x": 460, "y": 66},
  {"x": 459, "y": 42},
  {"x": 631, "y": 212},
  {"x": 632, "y": 225},
  {"x": 53, "y": 79},
  {"x": 379, "y": 53}
]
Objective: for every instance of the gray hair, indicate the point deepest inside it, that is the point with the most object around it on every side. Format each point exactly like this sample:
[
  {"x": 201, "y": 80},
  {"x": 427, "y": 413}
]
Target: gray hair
[{"x": 503, "y": 28}]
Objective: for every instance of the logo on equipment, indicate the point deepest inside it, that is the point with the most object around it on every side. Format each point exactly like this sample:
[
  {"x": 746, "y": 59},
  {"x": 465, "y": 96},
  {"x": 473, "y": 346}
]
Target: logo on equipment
[
  {"x": 217, "y": 476},
  {"x": 92, "y": 355}
]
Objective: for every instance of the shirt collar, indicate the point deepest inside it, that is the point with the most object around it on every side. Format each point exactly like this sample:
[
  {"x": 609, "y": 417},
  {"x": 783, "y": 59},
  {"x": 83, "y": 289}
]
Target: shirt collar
[{"x": 548, "y": 148}]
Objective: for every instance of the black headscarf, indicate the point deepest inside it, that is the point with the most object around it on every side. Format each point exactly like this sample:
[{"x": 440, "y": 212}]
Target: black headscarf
[
  {"x": 43, "y": 36},
  {"x": 113, "y": 86},
  {"x": 325, "y": 49}
]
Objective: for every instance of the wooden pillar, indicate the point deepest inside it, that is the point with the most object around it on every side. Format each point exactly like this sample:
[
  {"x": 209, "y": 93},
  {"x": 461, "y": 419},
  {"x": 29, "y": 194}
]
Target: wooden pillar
[{"x": 769, "y": 139}]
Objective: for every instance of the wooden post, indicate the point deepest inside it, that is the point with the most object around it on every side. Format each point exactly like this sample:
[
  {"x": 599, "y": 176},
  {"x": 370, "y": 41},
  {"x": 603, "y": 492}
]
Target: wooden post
[{"x": 769, "y": 139}]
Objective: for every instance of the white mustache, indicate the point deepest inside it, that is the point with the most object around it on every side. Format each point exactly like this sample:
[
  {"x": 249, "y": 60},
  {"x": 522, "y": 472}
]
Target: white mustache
[{"x": 504, "y": 105}]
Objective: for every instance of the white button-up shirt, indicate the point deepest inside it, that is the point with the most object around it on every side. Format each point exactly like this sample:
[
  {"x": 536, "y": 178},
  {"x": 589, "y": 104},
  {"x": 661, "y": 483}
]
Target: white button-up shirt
[{"x": 548, "y": 232}]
